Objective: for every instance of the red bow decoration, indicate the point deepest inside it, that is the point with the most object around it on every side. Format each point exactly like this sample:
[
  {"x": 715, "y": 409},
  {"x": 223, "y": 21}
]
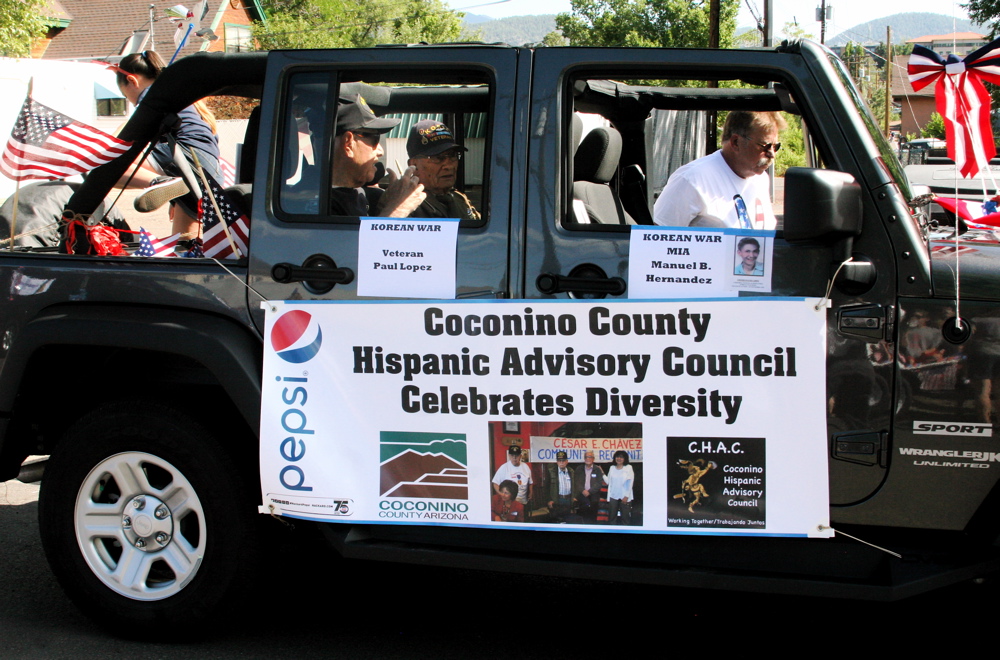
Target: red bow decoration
[{"x": 961, "y": 100}]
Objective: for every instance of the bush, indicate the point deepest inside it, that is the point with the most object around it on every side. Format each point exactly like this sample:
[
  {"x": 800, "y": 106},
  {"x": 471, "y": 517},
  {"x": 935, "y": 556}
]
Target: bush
[{"x": 934, "y": 127}]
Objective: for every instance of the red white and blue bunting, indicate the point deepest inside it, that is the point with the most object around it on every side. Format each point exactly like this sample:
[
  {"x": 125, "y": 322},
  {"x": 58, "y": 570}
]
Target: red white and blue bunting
[{"x": 962, "y": 100}]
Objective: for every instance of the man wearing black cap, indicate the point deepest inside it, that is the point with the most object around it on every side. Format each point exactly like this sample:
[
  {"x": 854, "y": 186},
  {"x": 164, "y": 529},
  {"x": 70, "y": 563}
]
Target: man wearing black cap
[
  {"x": 516, "y": 471},
  {"x": 356, "y": 150},
  {"x": 434, "y": 153},
  {"x": 562, "y": 485}
]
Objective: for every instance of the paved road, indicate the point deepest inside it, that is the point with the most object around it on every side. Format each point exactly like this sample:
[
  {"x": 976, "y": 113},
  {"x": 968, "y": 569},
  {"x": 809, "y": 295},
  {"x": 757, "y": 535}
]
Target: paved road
[{"x": 328, "y": 608}]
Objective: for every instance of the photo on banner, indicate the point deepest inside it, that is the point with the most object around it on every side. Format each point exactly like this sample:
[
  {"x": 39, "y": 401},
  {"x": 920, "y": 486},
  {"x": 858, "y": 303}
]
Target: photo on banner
[{"x": 563, "y": 471}]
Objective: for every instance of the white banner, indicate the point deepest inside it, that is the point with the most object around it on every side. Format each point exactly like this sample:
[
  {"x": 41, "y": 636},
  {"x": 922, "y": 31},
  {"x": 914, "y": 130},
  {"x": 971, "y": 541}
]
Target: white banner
[{"x": 704, "y": 417}]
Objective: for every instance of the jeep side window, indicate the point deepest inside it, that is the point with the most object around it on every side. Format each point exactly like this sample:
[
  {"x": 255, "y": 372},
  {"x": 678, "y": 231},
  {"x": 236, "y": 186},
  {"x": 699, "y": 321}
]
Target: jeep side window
[
  {"x": 348, "y": 138},
  {"x": 628, "y": 138},
  {"x": 304, "y": 130}
]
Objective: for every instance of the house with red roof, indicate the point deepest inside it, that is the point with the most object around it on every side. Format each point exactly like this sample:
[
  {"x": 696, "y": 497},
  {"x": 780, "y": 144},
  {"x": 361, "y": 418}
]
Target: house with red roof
[{"x": 98, "y": 29}]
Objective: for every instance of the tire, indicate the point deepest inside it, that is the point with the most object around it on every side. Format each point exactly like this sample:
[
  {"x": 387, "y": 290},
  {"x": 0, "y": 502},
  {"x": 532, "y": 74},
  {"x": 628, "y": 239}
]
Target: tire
[{"x": 146, "y": 522}]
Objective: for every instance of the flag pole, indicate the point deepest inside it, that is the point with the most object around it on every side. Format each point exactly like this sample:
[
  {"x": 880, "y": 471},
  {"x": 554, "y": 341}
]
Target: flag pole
[
  {"x": 17, "y": 187},
  {"x": 13, "y": 216},
  {"x": 215, "y": 205},
  {"x": 181, "y": 44}
]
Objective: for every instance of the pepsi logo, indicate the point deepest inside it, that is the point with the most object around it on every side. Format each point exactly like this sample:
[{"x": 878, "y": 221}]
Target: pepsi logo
[{"x": 296, "y": 337}]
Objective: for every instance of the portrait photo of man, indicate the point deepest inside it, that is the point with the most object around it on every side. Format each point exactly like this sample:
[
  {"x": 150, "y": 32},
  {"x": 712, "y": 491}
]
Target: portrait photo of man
[{"x": 749, "y": 260}]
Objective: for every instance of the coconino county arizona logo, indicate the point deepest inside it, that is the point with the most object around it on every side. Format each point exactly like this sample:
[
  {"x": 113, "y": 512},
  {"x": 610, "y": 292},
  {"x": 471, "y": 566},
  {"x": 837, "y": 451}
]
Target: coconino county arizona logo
[
  {"x": 296, "y": 337},
  {"x": 424, "y": 465}
]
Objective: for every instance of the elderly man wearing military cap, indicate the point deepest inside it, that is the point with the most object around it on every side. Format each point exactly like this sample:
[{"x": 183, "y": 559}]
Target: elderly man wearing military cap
[
  {"x": 356, "y": 150},
  {"x": 434, "y": 153},
  {"x": 562, "y": 485}
]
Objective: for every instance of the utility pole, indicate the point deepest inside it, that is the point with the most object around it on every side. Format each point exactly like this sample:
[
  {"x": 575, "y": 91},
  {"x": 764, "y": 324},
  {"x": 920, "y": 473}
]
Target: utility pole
[
  {"x": 888, "y": 76},
  {"x": 822, "y": 14},
  {"x": 768, "y": 24},
  {"x": 713, "y": 24}
]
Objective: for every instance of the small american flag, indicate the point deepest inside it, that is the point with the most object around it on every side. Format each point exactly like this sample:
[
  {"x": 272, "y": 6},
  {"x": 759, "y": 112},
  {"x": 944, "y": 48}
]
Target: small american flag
[
  {"x": 150, "y": 246},
  {"x": 951, "y": 249},
  {"x": 48, "y": 145},
  {"x": 228, "y": 173},
  {"x": 194, "y": 252},
  {"x": 215, "y": 243}
]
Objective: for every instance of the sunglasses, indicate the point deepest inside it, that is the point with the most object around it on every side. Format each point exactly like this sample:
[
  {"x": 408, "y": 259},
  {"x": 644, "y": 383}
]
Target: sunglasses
[
  {"x": 439, "y": 159},
  {"x": 371, "y": 139},
  {"x": 765, "y": 146}
]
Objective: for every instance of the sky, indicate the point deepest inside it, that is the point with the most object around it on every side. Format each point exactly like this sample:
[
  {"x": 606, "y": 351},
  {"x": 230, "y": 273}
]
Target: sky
[{"x": 846, "y": 13}]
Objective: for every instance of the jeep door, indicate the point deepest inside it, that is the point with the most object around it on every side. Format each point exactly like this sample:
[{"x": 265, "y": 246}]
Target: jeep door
[
  {"x": 586, "y": 257},
  {"x": 301, "y": 250}
]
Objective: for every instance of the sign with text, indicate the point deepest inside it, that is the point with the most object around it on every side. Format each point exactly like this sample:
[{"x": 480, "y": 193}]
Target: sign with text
[
  {"x": 676, "y": 417},
  {"x": 683, "y": 262},
  {"x": 407, "y": 258}
]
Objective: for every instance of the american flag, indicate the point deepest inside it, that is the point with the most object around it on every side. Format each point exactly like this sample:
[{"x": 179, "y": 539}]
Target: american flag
[
  {"x": 983, "y": 213},
  {"x": 49, "y": 145},
  {"x": 150, "y": 246},
  {"x": 228, "y": 173},
  {"x": 215, "y": 243},
  {"x": 194, "y": 252},
  {"x": 943, "y": 250}
]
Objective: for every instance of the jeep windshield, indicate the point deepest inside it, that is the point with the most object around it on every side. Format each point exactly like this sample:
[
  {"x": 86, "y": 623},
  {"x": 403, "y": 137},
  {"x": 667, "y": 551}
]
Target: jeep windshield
[{"x": 888, "y": 156}]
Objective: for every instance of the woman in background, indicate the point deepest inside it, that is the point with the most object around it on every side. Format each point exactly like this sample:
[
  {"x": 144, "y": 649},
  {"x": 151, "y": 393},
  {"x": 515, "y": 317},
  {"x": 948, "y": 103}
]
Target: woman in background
[
  {"x": 195, "y": 133},
  {"x": 620, "y": 477}
]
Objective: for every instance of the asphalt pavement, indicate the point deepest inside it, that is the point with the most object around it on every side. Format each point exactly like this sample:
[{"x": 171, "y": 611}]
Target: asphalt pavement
[{"x": 313, "y": 605}]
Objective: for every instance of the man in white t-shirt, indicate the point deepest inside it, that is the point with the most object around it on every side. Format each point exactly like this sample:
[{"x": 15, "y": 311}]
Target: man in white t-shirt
[
  {"x": 730, "y": 187},
  {"x": 516, "y": 471}
]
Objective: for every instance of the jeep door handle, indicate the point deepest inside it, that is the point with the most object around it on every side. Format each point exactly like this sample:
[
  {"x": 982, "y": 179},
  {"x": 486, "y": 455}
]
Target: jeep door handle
[
  {"x": 553, "y": 283},
  {"x": 286, "y": 273},
  {"x": 319, "y": 273}
]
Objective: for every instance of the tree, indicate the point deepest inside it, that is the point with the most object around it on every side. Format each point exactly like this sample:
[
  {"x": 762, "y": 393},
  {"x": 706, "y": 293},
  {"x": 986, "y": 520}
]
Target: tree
[
  {"x": 357, "y": 23},
  {"x": 555, "y": 38},
  {"x": 793, "y": 149},
  {"x": 934, "y": 127},
  {"x": 897, "y": 49},
  {"x": 795, "y": 31},
  {"x": 984, "y": 12},
  {"x": 867, "y": 67},
  {"x": 21, "y": 23},
  {"x": 649, "y": 23}
]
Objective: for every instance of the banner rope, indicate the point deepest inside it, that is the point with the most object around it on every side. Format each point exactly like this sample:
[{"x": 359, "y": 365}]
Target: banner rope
[
  {"x": 238, "y": 279},
  {"x": 855, "y": 538},
  {"x": 829, "y": 288}
]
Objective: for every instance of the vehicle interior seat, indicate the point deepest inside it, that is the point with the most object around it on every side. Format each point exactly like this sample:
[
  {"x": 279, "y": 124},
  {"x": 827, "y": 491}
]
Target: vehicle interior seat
[
  {"x": 248, "y": 155},
  {"x": 633, "y": 194},
  {"x": 242, "y": 192},
  {"x": 594, "y": 166}
]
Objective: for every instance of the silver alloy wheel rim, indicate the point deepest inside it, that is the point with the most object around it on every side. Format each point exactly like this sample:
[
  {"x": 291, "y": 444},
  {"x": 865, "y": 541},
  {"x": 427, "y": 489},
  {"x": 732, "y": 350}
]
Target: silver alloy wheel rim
[{"x": 140, "y": 526}]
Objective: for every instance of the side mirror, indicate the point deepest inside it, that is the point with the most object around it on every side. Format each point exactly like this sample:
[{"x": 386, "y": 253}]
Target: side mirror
[
  {"x": 821, "y": 205},
  {"x": 825, "y": 205}
]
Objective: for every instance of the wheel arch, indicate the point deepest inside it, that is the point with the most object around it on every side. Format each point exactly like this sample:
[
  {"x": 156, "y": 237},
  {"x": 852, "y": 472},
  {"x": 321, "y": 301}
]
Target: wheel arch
[{"x": 70, "y": 358}]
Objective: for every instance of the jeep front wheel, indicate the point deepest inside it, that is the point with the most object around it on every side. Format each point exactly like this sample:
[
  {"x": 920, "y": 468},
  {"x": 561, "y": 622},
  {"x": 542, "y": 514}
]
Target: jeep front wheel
[{"x": 145, "y": 520}]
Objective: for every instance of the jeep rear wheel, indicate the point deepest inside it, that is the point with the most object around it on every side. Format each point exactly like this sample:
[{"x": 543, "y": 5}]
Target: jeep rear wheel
[{"x": 145, "y": 521}]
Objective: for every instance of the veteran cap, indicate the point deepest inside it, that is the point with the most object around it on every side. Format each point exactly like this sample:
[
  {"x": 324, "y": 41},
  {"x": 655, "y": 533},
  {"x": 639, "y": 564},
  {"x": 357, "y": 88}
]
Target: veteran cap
[
  {"x": 430, "y": 138},
  {"x": 353, "y": 114}
]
